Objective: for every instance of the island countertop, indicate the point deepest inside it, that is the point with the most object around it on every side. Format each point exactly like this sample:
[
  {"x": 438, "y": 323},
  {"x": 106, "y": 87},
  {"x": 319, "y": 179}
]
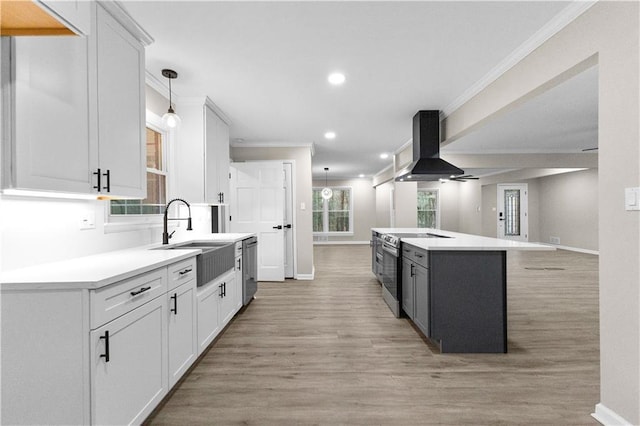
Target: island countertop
[{"x": 459, "y": 241}]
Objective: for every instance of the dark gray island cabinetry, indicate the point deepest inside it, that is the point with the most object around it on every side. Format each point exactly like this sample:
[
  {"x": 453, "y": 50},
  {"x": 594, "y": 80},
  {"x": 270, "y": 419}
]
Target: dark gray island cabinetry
[{"x": 459, "y": 297}]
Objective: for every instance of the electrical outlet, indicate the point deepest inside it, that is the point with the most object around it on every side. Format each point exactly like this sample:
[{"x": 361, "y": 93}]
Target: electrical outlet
[
  {"x": 88, "y": 220},
  {"x": 554, "y": 240}
]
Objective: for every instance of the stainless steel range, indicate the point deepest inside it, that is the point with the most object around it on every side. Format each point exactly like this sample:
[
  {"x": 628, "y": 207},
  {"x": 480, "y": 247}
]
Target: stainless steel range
[{"x": 392, "y": 267}]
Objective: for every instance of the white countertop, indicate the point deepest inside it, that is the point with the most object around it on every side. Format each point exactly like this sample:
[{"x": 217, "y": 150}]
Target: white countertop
[
  {"x": 92, "y": 272},
  {"x": 458, "y": 241}
]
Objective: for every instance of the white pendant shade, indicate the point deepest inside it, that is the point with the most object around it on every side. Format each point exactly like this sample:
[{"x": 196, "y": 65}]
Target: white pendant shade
[
  {"x": 326, "y": 193},
  {"x": 171, "y": 119}
]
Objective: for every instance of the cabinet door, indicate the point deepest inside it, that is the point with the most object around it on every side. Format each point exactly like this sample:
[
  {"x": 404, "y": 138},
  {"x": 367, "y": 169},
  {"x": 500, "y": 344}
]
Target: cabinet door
[
  {"x": 408, "y": 287},
  {"x": 74, "y": 14},
  {"x": 51, "y": 126},
  {"x": 121, "y": 117},
  {"x": 183, "y": 339},
  {"x": 126, "y": 386},
  {"x": 422, "y": 299},
  {"x": 228, "y": 299},
  {"x": 208, "y": 307}
]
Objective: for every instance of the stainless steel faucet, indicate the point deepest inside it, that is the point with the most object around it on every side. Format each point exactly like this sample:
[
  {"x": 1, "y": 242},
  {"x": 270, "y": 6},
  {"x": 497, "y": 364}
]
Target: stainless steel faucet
[{"x": 165, "y": 234}]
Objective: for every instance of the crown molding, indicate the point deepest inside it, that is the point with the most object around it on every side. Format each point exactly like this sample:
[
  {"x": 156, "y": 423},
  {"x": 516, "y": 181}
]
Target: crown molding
[
  {"x": 120, "y": 13},
  {"x": 311, "y": 146},
  {"x": 551, "y": 28}
]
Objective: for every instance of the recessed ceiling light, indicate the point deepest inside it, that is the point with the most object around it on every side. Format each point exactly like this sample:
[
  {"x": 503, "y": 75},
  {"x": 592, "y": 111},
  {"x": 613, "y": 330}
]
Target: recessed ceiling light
[
  {"x": 361, "y": 175},
  {"x": 384, "y": 155},
  {"x": 330, "y": 135},
  {"x": 336, "y": 78}
]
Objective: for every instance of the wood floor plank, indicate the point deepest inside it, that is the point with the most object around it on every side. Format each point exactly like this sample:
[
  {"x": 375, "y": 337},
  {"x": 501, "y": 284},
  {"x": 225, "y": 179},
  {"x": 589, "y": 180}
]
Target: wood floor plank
[{"x": 329, "y": 351}]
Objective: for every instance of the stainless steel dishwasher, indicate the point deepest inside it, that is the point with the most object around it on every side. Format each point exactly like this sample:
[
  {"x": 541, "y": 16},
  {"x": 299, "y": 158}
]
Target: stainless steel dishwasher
[{"x": 250, "y": 269}]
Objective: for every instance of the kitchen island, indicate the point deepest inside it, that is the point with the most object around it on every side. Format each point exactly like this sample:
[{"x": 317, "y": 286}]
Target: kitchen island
[{"x": 452, "y": 286}]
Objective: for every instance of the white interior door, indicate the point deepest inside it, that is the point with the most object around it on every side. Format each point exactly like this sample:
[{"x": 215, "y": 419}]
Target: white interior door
[
  {"x": 258, "y": 207},
  {"x": 288, "y": 221},
  {"x": 513, "y": 214}
]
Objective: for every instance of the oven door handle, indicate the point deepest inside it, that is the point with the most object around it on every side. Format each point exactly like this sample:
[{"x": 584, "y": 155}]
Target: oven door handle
[{"x": 390, "y": 250}]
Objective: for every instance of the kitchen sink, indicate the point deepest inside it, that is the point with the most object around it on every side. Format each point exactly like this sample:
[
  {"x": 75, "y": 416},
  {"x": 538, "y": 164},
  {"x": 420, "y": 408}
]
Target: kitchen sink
[{"x": 216, "y": 258}]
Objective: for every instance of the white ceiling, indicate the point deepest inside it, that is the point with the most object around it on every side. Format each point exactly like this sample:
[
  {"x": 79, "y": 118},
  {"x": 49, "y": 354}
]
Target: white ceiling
[{"x": 265, "y": 65}]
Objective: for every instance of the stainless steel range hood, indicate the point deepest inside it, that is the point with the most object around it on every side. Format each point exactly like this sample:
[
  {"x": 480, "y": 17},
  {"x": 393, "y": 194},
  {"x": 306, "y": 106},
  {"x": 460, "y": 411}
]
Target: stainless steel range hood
[{"x": 427, "y": 164}]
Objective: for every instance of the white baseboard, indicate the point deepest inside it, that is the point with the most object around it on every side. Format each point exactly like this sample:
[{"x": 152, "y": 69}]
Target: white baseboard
[
  {"x": 336, "y": 242},
  {"x": 608, "y": 417},
  {"x": 576, "y": 249},
  {"x": 307, "y": 277}
]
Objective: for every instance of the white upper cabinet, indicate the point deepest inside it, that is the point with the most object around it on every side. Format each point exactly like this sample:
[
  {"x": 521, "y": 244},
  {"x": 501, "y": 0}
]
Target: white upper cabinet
[
  {"x": 76, "y": 112},
  {"x": 203, "y": 153},
  {"x": 73, "y": 14},
  {"x": 121, "y": 114},
  {"x": 51, "y": 133}
]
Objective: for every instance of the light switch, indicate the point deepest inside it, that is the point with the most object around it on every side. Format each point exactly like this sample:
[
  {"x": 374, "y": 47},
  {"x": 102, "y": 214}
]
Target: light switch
[
  {"x": 303, "y": 206},
  {"x": 632, "y": 199}
]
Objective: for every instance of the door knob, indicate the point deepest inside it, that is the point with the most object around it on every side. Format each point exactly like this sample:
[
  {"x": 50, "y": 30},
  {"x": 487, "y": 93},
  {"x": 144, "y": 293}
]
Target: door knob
[
  {"x": 288, "y": 226},
  {"x": 277, "y": 227}
]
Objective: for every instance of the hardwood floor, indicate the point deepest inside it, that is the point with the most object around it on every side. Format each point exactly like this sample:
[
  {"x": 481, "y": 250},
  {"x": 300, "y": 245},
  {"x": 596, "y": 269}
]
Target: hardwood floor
[{"x": 329, "y": 351}]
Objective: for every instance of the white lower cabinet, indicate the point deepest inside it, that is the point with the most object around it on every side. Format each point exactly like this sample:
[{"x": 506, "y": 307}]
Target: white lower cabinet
[
  {"x": 216, "y": 307},
  {"x": 129, "y": 365},
  {"x": 183, "y": 344},
  {"x": 107, "y": 356},
  {"x": 238, "y": 268}
]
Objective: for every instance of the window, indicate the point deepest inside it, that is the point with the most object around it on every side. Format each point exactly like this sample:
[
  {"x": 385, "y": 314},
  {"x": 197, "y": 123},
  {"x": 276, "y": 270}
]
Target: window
[
  {"x": 156, "y": 179},
  {"x": 428, "y": 209},
  {"x": 334, "y": 215}
]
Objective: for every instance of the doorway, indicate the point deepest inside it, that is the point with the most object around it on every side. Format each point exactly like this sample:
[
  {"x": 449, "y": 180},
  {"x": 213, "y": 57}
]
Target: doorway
[{"x": 513, "y": 212}]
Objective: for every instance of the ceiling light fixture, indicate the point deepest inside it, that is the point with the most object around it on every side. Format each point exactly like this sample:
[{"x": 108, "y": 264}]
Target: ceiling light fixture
[
  {"x": 326, "y": 191},
  {"x": 171, "y": 119},
  {"x": 336, "y": 78},
  {"x": 330, "y": 135},
  {"x": 384, "y": 155},
  {"x": 360, "y": 175}
]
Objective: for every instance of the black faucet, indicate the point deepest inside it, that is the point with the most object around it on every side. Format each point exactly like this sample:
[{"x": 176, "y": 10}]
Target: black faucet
[{"x": 165, "y": 234}]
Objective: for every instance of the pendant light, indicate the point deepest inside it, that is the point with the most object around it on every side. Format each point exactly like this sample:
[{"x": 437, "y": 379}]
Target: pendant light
[
  {"x": 171, "y": 119},
  {"x": 326, "y": 191}
]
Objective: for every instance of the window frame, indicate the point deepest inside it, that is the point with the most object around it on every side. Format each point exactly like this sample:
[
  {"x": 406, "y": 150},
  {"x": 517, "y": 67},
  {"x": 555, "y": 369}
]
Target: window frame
[
  {"x": 325, "y": 213},
  {"x": 125, "y": 222},
  {"x": 437, "y": 209}
]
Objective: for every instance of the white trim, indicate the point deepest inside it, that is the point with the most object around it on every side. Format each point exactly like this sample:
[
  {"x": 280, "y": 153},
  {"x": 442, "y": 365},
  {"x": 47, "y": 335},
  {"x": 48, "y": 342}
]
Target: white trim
[
  {"x": 576, "y": 249},
  {"x": 118, "y": 11},
  {"x": 607, "y": 416},
  {"x": 307, "y": 277},
  {"x": 338, "y": 242},
  {"x": 272, "y": 145},
  {"x": 551, "y": 28},
  {"x": 294, "y": 214},
  {"x": 403, "y": 147}
]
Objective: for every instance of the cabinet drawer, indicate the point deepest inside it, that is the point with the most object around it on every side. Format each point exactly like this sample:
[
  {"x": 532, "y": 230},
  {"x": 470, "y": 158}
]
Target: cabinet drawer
[
  {"x": 416, "y": 255},
  {"x": 238, "y": 248},
  {"x": 182, "y": 272},
  {"x": 115, "y": 300}
]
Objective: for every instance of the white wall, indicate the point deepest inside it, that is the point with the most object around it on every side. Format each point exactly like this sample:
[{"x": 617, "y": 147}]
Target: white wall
[
  {"x": 569, "y": 209},
  {"x": 383, "y": 205},
  {"x": 40, "y": 230},
  {"x": 364, "y": 207}
]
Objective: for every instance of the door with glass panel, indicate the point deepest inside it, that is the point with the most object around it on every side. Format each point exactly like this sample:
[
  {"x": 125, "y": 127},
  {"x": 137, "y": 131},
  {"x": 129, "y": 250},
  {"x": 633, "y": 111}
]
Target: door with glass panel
[{"x": 513, "y": 216}]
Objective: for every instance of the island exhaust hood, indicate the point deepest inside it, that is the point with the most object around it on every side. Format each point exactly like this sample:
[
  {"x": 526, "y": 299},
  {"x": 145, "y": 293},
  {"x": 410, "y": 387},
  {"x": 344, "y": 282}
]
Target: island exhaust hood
[{"x": 427, "y": 164}]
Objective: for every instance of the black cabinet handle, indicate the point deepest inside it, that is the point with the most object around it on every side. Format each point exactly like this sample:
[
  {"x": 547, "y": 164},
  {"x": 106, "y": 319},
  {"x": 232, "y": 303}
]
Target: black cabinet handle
[
  {"x": 175, "y": 304},
  {"x": 277, "y": 227},
  {"x": 99, "y": 175},
  {"x": 221, "y": 294},
  {"x": 239, "y": 264},
  {"x": 186, "y": 271},
  {"x": 419, "y": 255},
  {"x": 221, "y": 197},
  {"x": 224, "y": 289},
  {"x": 108, "y": 176},
  {"x": 142, "y": 290},
  {"x": 105, "y": 355},
  {"x": 412, "y": 266}
]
